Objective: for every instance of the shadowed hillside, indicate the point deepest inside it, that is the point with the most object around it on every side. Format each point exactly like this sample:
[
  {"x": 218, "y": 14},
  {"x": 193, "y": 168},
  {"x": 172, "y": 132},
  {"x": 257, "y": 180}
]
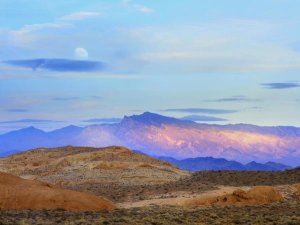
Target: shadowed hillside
[{"x": 210, "y": 163}]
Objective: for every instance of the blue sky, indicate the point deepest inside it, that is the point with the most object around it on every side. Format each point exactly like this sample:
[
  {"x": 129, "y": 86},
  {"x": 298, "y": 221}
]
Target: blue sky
[{"x": 67, "y": 62}]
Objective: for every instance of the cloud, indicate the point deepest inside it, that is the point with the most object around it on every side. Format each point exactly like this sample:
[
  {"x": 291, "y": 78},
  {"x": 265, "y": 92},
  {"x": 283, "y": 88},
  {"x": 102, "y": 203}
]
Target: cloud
[
  {"x": 202, "y": 48},
  {"x": 17, "y": 102},
  {"x": 16, "y": 110},
  {"x": 30, "y": 121},
  {"x": 236, "y": 98},
  {"x": 62, "y": 22},
  {"x": 81, "y": 53},
  {"x": 283, "y": 85},
  {"x": 80, "y": 16},
  {"x": 199, "y": 118},
  {"x": 201, "y": 110},
  {"x": 93, "y": 97},
  {"x": 256, "y": 108},
  {"x": 65, "y": 98},
  {"x": 31, "y": 33},
  {"x": 137, "y": 7},
  {"x": 59, "y": 65},
  {"x": 212, "y": 47},
  {"x": 103, "y": 120},
  {"x": 39, "y": 26}
]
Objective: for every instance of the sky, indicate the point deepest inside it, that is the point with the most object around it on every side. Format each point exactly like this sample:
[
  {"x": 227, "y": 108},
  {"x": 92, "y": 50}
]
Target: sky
[{"x": 81, "y": 62}]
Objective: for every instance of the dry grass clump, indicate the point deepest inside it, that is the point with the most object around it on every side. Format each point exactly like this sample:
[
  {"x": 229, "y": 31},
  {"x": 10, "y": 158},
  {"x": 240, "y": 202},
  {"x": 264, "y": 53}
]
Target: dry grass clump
[
  {"x": 296, "y": 189},
  {"x": 255, "y": 196},
  {"x": 63, "y": 163}
]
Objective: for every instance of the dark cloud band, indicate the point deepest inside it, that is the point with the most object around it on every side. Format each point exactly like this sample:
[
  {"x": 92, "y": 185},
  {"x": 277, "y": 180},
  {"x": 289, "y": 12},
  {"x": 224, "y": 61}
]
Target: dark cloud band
[
  {"x": 59, "y": 65},
  {"x": 201, "y": 110},
  {"x": 237, "y": 98},
  {"x": 17, "y": 110},
  {"x": 30, "y": 121},
  {"x": 284, "y": 85},
  {"x": 199, "y": 118},
  {"x": 103, "y": 120}
]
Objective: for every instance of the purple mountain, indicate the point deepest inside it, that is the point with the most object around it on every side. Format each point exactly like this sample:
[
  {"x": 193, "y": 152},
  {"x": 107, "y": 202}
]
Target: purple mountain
[{"x": 165, "y": 136}]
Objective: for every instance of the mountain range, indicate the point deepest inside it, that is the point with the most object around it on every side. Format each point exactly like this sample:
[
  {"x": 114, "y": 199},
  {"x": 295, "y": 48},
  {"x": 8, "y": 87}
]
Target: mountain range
[
  {"x": 155, "y": 134},
  {"x": 210, "y": 163}
]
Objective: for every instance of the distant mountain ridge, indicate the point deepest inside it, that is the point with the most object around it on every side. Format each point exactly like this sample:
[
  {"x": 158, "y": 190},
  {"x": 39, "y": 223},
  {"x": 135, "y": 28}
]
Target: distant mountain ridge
[
  {"x": 155, "y": 134},
  {"x": 210, "y": 163}
]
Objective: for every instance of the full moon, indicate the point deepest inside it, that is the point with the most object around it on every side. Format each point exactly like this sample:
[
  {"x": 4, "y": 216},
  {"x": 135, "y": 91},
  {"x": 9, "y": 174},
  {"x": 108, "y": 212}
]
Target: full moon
[{"x": 81, "y": 53}]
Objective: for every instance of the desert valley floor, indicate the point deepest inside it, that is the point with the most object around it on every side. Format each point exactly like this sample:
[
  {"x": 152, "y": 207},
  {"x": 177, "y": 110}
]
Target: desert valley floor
[{"x": 113, "y": 185}]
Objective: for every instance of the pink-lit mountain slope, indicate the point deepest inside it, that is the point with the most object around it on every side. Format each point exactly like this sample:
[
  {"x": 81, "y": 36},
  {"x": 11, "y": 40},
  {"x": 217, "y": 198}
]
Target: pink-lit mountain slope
[{"x": 164, "y": 136}]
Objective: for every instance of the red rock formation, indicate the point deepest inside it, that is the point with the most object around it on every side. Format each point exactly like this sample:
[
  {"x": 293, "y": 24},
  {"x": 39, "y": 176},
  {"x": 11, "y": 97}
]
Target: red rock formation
[{"x": 17, "y": 193}]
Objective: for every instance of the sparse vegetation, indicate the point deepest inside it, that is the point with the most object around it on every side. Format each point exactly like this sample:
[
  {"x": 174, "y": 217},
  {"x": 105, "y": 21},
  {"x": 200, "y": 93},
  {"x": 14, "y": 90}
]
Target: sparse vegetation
[
  {"x": 245, "y": 178},
  {"x": 273, "y": 214},
  {"x": 125, "y": 177}
]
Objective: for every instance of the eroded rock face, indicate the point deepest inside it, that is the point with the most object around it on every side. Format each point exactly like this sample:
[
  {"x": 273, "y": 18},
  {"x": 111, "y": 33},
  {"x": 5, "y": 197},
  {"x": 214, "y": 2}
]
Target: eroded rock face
[
  {"x": 17, "y": 193},
  {"x": 71, "y": 167},
  {"x": 255, "y": 196}
]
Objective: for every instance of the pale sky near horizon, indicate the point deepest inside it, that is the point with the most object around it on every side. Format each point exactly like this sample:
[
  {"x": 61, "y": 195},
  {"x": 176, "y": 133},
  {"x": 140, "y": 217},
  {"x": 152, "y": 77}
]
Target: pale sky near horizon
[{"x": 225, "y": 61}]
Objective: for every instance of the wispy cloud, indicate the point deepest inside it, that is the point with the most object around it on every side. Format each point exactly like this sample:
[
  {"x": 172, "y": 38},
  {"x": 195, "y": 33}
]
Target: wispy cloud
[
  {"x": 16, "y": 110},
  {"x": 256, "y": 108},
  {"x": 62, "y": 22},
  {"x": 201, "y": 110},
  {"x": 201, "y": 118},
  {"x": 282, "y": 85},
  {"x": 95, "y": 97},
  {"x": 65, "y": 98},
  {"x": 137, "y": 7},
  {"x": 236, "y": 98},
  {"x": 30, "y": 121},
  {"x": 103, "y": 120},
  {"x": 59, "y": 65},
  {"x": 211, "y": 47},
  {"x": 29, "y": 34},
  {"x": 17, "y": 102},
  {"x": 80, "y": 16},
  {"x": 39, "y": 26}
]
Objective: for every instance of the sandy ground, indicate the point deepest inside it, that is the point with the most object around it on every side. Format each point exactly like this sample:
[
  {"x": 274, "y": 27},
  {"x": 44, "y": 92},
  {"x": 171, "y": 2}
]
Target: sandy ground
[{"x": 180, "y": 197}]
